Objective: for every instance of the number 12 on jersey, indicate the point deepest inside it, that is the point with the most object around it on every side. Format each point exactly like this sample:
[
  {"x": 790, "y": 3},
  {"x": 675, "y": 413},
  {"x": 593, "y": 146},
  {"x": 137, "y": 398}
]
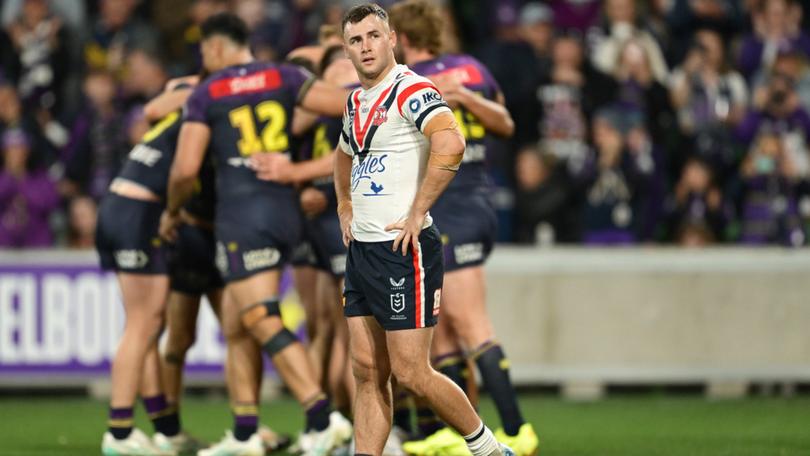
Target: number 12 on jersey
[{"x": 273, "y": 135}]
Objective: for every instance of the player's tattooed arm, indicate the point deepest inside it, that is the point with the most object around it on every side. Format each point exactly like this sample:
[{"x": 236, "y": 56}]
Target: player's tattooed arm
[
  {"x": 343, "y": 169},
  {"x": 446, "y": 151}
]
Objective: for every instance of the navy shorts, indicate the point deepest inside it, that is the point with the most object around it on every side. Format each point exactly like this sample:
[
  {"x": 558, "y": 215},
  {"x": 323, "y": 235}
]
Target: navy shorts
[
  {"x": 303, "y": 254},
  {"x": 256, "y": 234},
  {"x": 326, "y": 240},
  {"x": 192, "y": 261},
  {"x": 127, "y": 237},
  {"x": 401, "y": 292},
  {"x": 468, "y": 225}
]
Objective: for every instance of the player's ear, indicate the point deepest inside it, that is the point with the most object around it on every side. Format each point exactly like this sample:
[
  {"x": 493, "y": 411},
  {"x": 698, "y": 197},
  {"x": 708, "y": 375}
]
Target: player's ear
[{"x": 392, "y": 36}]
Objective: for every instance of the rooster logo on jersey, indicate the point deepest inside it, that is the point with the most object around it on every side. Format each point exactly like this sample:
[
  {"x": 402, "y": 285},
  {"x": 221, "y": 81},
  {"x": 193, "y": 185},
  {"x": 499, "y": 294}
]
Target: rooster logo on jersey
[{"x": 380, "y": 116}]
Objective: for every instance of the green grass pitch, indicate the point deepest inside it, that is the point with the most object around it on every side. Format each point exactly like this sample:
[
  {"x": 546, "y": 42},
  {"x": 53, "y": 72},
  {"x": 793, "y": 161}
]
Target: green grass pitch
[{"x": 618, "y": 426}]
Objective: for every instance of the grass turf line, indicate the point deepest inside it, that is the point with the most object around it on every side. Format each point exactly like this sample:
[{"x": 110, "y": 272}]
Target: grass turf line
[{"x": 621, "y": 426}]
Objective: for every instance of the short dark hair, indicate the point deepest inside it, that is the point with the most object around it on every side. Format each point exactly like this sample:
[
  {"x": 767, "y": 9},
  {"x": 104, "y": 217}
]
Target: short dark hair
[
  {"x": 228, "y": 25},
  {"x": 360, "y": 12}
]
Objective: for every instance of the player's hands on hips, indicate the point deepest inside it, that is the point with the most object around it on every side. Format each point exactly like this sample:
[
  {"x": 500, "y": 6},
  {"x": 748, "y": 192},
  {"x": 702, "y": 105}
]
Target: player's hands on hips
[
  {"x": 274, "y": 167},
  {"x": 346, "y": 214},
  {"x": 313, "y": 201},
  {"x": 409, "y": 230},
  {"x": 168, "y": 225}
]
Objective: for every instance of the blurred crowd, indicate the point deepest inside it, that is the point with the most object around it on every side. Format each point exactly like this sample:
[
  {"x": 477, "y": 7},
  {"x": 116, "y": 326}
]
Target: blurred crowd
[{"x": 659, "y": 121}]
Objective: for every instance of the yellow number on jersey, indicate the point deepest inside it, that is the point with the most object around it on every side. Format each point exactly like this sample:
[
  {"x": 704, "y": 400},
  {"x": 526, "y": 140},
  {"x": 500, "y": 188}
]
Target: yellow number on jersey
[
  {"x": 321, "y": 146},
  {"x": 273, "y": 139},
  {"x": 469, "y": 125},
  {"x": 161, "y": 126}
]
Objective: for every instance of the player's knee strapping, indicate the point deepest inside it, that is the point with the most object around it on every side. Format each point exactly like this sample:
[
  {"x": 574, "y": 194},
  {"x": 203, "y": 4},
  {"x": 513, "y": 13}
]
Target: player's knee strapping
[
  {"x": 259, "y": 311},
  {"x": 279, "y": 342}
]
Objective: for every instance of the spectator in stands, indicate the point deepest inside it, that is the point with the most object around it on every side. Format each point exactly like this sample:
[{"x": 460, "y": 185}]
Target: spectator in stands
[
  {"x": 543, "y": 208},
  {"x": 579, "y": 15},
  {"x": 793, "y": 64},
  {"x": 776, "y": 109},
  {"x": 145, "y": 78},
  {"x": 776, "y": 28},
  {"x": 98, "y": 141},
  {"x": 81, "y": 222},
  {"x": 114, "y": 33},
  {"x": 27, "y": 196},
  {"x": 13, "y": 117},
  {"x": 623, "y": 25},
  {"x": 710, "y": 99},
  {"x": 39, "y": 42},
  {"x": 696, "y": 213},
  {"x": 768, "y": 209},
  {"x": 684, "y": 18},
  {"x": 557, "y": 109},
  {"x": 640, "y": 90},
  {"x": 200, "y": 11},
  {"x": 515, "y": 63},
  {"x": 615, "y": 180}
]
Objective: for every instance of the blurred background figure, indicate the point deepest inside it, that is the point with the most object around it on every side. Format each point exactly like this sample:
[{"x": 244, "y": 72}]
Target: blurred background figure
[
  {"x": 622, "y": 24},
  {"x": 614, "y": 180},
  {"x": 114, "y": 33},
  {"x": 27, "y": 196},
  {"x": 696, "y": 213},
  {"x": 768, "y": 206},
  {"x": 710, "y": 99},
  {"x": 81, "y": 222},
  {"x": 98, "y": 142},
  {"x": 545, "y": 215},
  {"x": 776, "y": 27}
]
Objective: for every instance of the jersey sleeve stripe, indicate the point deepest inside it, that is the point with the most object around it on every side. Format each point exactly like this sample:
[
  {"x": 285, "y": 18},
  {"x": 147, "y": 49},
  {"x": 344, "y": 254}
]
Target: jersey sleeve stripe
[
  {"x": 426, "y": 113},
  {"x": 410, "y": 90}
]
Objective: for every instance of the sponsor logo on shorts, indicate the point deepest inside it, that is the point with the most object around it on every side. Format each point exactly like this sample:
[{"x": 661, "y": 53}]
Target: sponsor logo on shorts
[
  {"x": 145, "y": 155},
  {"x": 338, "y": 264},
  {"x": 467, "y": 253},
  {"x": 397, "y": 304},
  {"x": 437, "y": 301},
  {"x": 261, "y": 258},
  {"x": 131, "y": 259},
  {"x": 221, "y": 259},
  {"x": 397, "y": 284}
]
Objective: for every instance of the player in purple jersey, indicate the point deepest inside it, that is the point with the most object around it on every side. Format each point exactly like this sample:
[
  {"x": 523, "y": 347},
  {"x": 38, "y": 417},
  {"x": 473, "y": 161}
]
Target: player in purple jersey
[
  {"x": 192, "y": 274},
  {"x": 466, "y": 219},
  {"x": 242, "y": 109}
]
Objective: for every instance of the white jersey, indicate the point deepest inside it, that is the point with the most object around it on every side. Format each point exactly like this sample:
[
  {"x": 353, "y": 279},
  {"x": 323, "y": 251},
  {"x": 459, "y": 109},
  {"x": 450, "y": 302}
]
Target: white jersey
[{"x": 382, "y": 131}]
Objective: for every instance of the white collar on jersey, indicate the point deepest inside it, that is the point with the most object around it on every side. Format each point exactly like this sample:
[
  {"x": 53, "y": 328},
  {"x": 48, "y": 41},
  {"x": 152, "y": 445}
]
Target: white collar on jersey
[{"x": 398, "y": 68}]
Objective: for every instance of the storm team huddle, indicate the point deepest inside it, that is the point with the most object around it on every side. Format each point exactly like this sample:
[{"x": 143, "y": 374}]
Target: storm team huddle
[{"x": 238, "y": 173}]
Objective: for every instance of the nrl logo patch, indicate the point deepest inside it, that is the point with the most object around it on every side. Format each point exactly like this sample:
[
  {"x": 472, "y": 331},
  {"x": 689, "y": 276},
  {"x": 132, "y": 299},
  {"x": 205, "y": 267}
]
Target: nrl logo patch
[{"x": 398, "y": 302}]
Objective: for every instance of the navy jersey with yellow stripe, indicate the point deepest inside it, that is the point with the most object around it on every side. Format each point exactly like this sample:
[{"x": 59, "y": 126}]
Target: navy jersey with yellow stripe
[
  {"x": 150, "y": 161},
  {"x": 249, "y": 109},
  {"x": 476, "y": 78}
]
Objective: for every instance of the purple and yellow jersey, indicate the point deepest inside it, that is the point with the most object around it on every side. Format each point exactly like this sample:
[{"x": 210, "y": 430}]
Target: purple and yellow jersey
[
  {"x": 475, "y": 77},
  {"x": 249, "y": 110}
]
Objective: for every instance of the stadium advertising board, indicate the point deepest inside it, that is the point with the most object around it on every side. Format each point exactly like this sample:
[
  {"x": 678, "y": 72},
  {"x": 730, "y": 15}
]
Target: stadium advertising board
[{"x": 63, "y": 322}]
